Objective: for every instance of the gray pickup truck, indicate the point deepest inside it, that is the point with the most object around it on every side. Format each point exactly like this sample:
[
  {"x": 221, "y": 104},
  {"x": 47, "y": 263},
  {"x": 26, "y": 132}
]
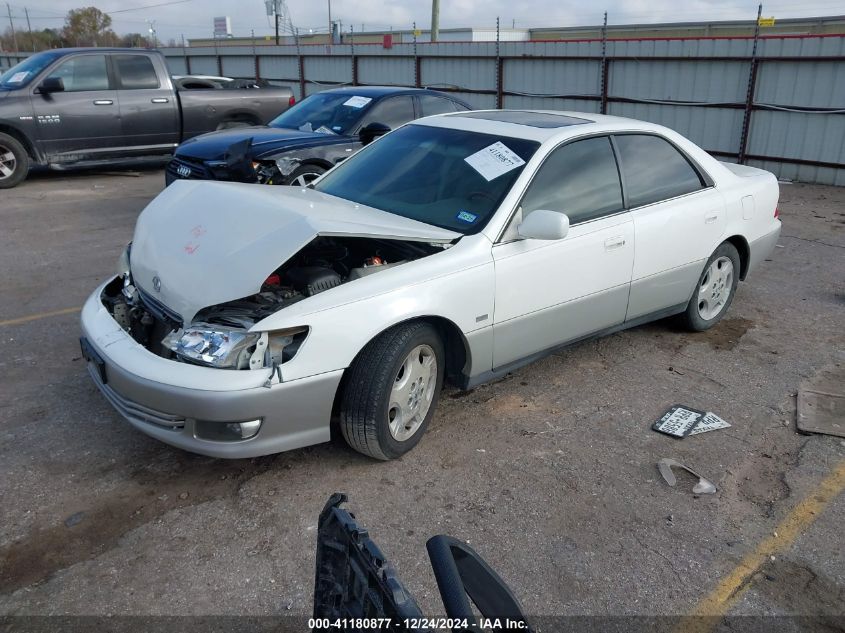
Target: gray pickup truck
[{"x": 85, "y": 107}]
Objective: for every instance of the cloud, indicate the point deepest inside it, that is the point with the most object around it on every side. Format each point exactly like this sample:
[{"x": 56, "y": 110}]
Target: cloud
[{"x": 194, "y": 17}]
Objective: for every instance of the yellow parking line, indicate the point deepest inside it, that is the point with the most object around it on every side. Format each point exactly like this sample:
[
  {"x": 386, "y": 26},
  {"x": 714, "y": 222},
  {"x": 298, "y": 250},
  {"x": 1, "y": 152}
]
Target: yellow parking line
[
  {"x": 731, "y": 587},
  {"x": 40, "y": 315}
]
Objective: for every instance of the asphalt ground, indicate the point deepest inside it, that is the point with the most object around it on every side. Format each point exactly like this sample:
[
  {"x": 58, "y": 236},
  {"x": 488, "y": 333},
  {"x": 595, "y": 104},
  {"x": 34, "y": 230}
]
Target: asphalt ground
[{"x": 549, "y": 473}]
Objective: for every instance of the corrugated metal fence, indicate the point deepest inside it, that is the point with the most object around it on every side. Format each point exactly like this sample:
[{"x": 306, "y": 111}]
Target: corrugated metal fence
[{"x": 779, "y": 105}]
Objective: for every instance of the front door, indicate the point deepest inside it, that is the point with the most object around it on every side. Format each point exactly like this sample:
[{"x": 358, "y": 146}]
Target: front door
[
  {"x": 552, "y": 292},
  {"x": 83, "y": 121}
]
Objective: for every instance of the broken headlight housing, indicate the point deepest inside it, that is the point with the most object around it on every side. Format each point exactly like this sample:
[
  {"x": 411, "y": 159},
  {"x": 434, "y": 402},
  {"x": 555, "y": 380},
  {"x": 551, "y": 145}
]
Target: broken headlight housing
[
  {"x": 123, "y": 261},
  {"x": 230, "y": 348}
]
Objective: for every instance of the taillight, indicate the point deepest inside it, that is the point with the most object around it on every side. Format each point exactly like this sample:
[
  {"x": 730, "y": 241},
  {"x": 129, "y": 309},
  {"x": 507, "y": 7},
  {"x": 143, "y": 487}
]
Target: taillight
[
  {"x": 292, "y": 100},
  {"x": 777, "y": 213}
]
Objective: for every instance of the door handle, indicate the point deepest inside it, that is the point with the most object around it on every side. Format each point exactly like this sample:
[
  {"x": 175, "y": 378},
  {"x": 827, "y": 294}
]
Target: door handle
[
  {"x": 159, "y": 100},
  {"x": 103, "y": 102},
  {"x": 710, "y": 219},
  {"x": 612, "y": 243}
]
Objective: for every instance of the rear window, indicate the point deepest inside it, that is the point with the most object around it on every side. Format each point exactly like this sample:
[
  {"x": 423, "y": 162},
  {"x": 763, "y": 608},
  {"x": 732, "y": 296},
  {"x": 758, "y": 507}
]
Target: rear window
[
  {"x": 654, "y": 169},
  {"x": 135, "y": 72}
]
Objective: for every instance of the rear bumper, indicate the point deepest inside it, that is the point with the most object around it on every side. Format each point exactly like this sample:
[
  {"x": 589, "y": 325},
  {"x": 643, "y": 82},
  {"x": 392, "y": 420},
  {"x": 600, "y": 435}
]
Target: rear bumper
[
  {"x": 762, "y": 247},
  {"x": 165, "y": 399}
]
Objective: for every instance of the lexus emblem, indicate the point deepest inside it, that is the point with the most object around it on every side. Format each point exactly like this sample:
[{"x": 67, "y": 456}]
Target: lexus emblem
[
  {"x": 156, "y": 284},
  {"x": 183, "y": 171}
]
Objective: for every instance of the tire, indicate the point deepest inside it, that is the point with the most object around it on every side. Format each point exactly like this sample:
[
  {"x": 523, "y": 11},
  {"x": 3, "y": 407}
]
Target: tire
[
  {"x": 14, "y": 162},
  {"x": 715, "y": 289},
  {"x": 305, "y": 175},
  {"x": 383, "y": 405}
]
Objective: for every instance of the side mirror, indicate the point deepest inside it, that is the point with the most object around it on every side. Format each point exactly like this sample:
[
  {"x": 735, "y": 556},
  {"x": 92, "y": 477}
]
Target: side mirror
[
  {"x": 51, "y": 85},
  {"x": 544, "y": 225},
  {"x": 372, "y": 131}
]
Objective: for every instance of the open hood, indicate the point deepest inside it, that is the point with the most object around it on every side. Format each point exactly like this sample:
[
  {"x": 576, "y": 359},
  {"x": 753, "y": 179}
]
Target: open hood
[{"x": 202, "y": 243}]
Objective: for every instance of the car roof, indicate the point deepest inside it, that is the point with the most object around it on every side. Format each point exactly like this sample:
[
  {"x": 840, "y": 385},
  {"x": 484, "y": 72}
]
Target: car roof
[
  {"x": 553, "y": 124},
  {"x": 379, "y": 91}
]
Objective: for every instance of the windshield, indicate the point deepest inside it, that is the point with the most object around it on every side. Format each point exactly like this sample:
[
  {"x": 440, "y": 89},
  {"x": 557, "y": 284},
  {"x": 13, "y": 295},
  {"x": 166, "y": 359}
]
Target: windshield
[
  {"x": 453, "y": 179},
  {"x": 329, "y": 113},
  {"x": 21, "y": 74}
]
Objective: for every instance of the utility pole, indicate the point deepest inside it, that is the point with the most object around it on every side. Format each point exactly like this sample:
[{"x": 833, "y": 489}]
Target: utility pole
[
  {"x": 331, "y": 32},
  {"x": 435, "y": 20},
  {"x": 12, "y": 24},
  {"x": 29, "y": 28},
  {"x": 276, "y": 14}
]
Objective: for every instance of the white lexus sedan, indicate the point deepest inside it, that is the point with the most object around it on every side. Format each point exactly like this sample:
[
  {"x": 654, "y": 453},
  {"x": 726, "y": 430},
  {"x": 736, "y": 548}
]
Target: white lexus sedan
[{"x": 249, "y": 320}]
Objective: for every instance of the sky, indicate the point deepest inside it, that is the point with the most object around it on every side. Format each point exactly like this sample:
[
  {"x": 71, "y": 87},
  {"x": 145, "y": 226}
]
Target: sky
[{"x": 194, "y": 18}]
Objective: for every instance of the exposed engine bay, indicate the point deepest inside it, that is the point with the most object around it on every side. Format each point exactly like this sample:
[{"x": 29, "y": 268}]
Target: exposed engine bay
[{"x": 221, "y": 330}]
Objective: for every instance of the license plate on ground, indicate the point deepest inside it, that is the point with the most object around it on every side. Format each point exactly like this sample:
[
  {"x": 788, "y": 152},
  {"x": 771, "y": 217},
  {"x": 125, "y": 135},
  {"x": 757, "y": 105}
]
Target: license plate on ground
[{"x": 91, "y": 355}]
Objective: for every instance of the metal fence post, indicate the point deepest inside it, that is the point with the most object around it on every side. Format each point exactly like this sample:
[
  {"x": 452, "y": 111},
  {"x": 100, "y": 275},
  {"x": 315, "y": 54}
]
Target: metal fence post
[
  {"x": 749, "y": 96},
  {"x": 300, "y": 64},
  {"x": 352, "y": 55},
  {"x": 605, "y": 66},
  {"x": 500, "y": 72},
  {"x": 417, "y": 64}
]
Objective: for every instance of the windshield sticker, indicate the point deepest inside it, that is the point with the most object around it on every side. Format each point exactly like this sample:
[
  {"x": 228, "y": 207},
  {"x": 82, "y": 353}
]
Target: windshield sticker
[
  {"x": 466, "y": 216},
  {"x": 494, "y": 160},
  {"x": 19, "y": 77},
  {"x": 357, "y": 102}
]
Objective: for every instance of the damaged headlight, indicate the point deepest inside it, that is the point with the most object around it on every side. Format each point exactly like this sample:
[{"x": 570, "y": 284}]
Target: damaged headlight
[
  {"x": 219, "y": 347},
  {"x": 229, "y": 348}
]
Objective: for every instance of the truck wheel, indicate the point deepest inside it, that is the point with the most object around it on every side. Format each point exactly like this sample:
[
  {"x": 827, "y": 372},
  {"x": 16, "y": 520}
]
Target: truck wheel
[
  {"x": 305, "y": 175},
  {"x": 392, "y": 391},
  {"x": 715, "y": 289},
  {"x": 14, "y": 162}
]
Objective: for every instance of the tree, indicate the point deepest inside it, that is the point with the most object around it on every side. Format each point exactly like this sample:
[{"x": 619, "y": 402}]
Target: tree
[{"x": 88, "y": 27}]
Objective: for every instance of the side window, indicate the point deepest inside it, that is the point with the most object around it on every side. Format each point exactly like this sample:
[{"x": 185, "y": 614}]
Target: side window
[
  {"x": 579, "y": 179},
  {"x": 135, "y": 72},
  {"x": 393, "y": 112},
  {"x": 86, "y": 72},
  {"x": 430, "y": 104},
  {"x": 654, "y": 169}
]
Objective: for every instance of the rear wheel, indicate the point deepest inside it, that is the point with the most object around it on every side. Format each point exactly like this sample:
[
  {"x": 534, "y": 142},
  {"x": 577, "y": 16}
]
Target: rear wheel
[
  {"x": 392, "y": 391},
  {"x": 14, "y": 162},
  {"x": 715, "y": 290},
  {"x": 305, "y": 175}
]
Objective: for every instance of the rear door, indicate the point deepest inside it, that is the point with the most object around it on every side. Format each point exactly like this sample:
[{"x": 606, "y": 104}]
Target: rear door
[
  {"x": 83, "y": 122},
  {"x": 679, "y": 219},
  {"x": 391, "y": 111},
  {"x": 148, "y": 110}
]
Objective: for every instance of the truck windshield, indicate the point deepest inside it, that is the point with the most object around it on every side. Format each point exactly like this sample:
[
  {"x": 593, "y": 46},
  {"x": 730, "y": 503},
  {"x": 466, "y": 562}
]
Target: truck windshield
[
  {"x": 21, "y": 74},
  {"x": 453, "y": 179},
  {"x": 329, "y": 113}
]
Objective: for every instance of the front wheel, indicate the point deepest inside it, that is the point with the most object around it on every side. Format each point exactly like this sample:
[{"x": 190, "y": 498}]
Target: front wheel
[
  {"x": 305, "y": 175},
  {"x": 14, "y": 162},
  {"x": 715, "y": 290},
  {"x": 392, "y": 391}
]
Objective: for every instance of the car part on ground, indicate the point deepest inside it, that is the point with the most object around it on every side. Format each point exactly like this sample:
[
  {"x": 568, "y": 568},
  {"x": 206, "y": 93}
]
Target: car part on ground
[
  {"x": 702, "y": 487},
  {"x": 355, "y": 581}
]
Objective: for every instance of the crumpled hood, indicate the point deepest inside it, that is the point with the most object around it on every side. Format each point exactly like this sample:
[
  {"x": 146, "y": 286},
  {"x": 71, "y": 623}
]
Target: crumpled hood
[
  {"x": 201, "y": 243},
  {"x": 214, "y": 145}
]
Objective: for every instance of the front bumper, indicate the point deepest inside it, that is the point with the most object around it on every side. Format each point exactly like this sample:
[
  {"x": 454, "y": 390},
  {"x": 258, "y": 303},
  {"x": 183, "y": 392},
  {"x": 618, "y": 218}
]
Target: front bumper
[{"x": 165, "y": 398}]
